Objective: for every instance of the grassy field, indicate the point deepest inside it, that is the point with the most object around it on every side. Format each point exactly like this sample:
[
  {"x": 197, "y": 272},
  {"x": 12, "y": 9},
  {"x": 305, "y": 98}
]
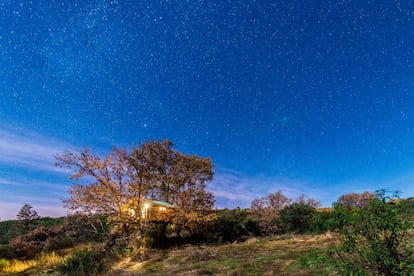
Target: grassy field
[
  {"x": 277, "y": 256},
  {"x": 280, "y": 255}
]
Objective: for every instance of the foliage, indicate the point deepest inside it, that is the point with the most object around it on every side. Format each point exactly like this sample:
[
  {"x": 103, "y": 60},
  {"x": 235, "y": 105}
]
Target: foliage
[
  {"x": 7, "y": 231},
  {"x": 49, "y": 222},
  {"x": 84, "y": 227},
  {"x": 354, "y": 200},
  {"x": 30, "y": 244},
  {"x": 6, "y": 252},
  {"x": 305, "y": 200},
  {"x": 27, "y": 217},
  {"x": 121, "y": 180},
  {"x": 74, "y": 229},
  {"x": 168, "y": 175},
  {"x": 10, "y": 229},
  {"x": 107, "y": 193},
  {"x": 267, "y": 209},
  {"x": 297, "y": 217},
  {"x": 376, "y": 236},
  {"x": 87, "y": 261},
  {"x": 234, "y": 225},
  {"x": 323, "y": 220}
]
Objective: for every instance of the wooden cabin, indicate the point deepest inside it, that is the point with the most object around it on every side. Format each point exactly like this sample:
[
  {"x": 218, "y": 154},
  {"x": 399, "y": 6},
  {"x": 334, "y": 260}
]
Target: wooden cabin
[{"x": 153, "y": 210}]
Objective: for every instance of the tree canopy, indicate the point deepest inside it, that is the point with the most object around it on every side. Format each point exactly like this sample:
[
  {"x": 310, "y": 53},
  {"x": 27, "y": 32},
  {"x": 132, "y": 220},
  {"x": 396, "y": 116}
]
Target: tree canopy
[
  {"x": 354, "y": 200},
  {"x": 154, "y": 170},
  {"x": 268, "y": 209}
]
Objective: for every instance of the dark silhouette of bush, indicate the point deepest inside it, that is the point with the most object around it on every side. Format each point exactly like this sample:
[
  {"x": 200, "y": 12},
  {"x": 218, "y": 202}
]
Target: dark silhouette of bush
[
  {"x": 30, "y": 244},
  {"x": 7, "y": 231},
  {"x": 297, "y": 217},
  {"x": 84, "y": 227},
  {"x": 234, "y": 225},
  {"x": 87, "y": 261}
]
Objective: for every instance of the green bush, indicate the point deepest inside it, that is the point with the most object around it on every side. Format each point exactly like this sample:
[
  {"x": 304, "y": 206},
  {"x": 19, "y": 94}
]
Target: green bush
[
  {"x": 323, "y": 221},
  {"x": 56, "y": 243},
  {"x": 49, "y": 222},
  {"x": 8, "y": 231},
  {"x": 297, "y": 217},
  {"x": 376, "y": 238},
  {"x": 6, "y": 252},
  {"x": 86, "y": 261},
  {"x": 232, "y": 225}
]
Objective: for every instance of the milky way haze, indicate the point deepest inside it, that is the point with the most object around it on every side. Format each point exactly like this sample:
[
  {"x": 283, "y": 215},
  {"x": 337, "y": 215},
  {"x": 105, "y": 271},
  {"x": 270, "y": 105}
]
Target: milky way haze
[{"x": 304, "y": 96}]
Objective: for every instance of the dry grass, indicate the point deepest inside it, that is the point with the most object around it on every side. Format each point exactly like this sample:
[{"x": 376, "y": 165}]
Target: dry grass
[
  {"x": 43, "y": 263},
  {"x": 267, "y": 256},
  {"x": 17, "y": 266}
]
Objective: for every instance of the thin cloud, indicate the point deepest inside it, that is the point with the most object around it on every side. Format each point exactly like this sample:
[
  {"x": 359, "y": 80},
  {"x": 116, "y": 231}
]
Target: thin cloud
[
  {"x": 233, "y": 189},
  {"x": 28, "y": 174},
  {"x": 4, "y": 181},
  {"x": 10, "y": 210},
  {"x": 32, "y": 182},
  {"x": 25, "y": 149}
]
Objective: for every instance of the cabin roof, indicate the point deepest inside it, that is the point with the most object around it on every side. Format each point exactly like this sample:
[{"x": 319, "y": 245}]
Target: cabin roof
[{"x": 162, "y": 203}]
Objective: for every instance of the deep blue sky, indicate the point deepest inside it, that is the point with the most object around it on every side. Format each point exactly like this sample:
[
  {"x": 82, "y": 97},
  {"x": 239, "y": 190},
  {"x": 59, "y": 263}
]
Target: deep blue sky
[{"x": 303, "y": 96}]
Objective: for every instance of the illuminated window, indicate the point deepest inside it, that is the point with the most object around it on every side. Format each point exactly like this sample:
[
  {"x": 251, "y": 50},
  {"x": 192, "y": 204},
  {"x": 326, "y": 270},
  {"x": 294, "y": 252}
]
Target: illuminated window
[{"x": 144, "y": 211}]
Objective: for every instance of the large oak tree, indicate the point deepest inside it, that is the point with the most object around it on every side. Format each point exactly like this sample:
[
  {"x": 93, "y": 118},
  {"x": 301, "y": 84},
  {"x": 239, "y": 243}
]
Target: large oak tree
[
  {"x": 168, "y": 175},
  {"x": 152, "y": 171}
]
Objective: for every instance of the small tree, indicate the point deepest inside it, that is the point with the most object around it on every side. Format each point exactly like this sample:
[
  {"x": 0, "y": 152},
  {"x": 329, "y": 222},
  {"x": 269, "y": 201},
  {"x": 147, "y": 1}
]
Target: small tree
[
  {"x": 268, "y": 209},
  {"x": 375, "y": 237},
  {"x": 27, "y": 216},
  {"x": 354, "y": 200}
]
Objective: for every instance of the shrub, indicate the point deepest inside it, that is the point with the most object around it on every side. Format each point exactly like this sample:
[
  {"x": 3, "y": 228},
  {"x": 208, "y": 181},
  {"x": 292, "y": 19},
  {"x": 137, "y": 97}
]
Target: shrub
[
  {"x": 297, "y": 217},
  {"x": 267, "y": 209},
  {"x": 56, "y": 243},
  {"x": 30, "y": 244},
  {"x": 8, "y": 231},
  {"x": 84, "y": 227},
  {"x": 323, "y": 220},
  {"x": 6, "y": 252},
  {"x": 375, "y": 238},
  {"x": 85, "y": 261},
  {"x": 233, "y": 225}
]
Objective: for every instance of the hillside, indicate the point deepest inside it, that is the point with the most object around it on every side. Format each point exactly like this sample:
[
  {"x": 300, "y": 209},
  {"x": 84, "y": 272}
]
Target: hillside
[{"x": 284, "y": 255}]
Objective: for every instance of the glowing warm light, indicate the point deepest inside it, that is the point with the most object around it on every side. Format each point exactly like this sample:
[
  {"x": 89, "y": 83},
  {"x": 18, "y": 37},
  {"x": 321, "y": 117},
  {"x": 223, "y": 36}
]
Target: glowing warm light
[
  {"x": 131, "y": 212},
  {"x": 146, "y": 205},
  {"x": 162, "y": 208}
]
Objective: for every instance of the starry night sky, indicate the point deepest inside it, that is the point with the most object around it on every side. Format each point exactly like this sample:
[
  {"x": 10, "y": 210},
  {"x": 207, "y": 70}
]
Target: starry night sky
[{"x": 312, "y": 97}]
